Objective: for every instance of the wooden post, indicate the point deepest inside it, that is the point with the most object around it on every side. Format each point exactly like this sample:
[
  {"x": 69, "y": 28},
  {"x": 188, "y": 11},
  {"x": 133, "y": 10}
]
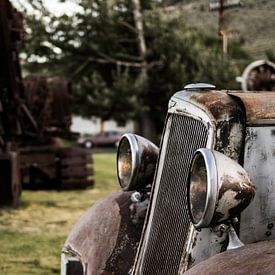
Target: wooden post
[{"x": 221, "y": 25}]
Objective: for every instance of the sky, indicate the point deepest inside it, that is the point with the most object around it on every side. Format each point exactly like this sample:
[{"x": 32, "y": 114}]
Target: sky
[
  {"x": 68, "y": 7},
  {"x": 58, "y": 8}
]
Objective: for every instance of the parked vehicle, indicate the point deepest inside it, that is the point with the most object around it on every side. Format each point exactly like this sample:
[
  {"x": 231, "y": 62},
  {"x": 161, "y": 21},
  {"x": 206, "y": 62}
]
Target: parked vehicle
[
  {"x": 208, "y": 189},
  {"x": 107, "y": 138}
]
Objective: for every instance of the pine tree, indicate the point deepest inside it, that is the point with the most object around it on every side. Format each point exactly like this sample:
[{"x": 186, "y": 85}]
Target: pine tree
[{"x": 125, "y": 58}]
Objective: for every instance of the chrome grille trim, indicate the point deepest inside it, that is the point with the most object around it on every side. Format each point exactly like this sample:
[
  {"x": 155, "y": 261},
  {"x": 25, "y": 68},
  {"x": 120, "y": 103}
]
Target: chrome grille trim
[{"x": 170, "y": 208}]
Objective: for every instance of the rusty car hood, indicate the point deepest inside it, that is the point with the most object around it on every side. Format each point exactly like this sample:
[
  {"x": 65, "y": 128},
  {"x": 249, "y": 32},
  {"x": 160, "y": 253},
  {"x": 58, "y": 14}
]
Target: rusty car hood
[{"x": 259, "y": 106}]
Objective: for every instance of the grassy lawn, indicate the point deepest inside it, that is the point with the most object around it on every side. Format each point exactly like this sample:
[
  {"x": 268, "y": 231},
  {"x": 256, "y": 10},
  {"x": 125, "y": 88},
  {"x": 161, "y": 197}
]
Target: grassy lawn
[{"x": 32, "y": 236}]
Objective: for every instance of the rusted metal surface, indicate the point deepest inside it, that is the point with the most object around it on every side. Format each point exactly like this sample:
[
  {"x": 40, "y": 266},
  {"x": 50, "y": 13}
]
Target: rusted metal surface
[
  {"x": 16, "y": 117},
  {"x": 236, "y": 194},
  {"x": 235, "y": 189},
  {"x": 76, "y": 168},
  {"x": 259, "y": 107},
  {"x": 49, "y": 102},
  {"x": 11, "y": 88},
  {"x": 38, "y": 167},
  {"x": 218, "y": 104},
  {"x": 257, "y": 258},
  {"x": 33, "y": 115},
  {"x": 105, "y": 239},
  {"x": 226, "y": 114},
  {"x": 258, "y": 76},
  {"x": 49, "y": 167},
  {"x": 10, "y": 188},
  {"x": 61, "y": 109},
  {"x": 38, "y": 100},
  {"x": 229, "y": 119}
]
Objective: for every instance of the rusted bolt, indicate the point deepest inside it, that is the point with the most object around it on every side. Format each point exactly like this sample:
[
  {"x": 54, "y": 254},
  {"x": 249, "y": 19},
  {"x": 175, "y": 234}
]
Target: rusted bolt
[
  {"x": 136, "y": 197},
  {"x": 268, "y": 233},
  {"x": 223, "y": 228},
  {"x": 270, "y": 226}
]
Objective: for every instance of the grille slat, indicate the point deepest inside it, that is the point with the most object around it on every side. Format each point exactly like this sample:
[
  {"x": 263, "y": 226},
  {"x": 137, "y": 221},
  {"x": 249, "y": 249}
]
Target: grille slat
[{"x": 170, "y": 221}]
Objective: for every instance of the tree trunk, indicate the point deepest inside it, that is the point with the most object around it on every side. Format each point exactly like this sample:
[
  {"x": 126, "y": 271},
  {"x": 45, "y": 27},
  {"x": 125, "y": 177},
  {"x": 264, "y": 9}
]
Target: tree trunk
[
  {"x": 146, "y": 124},
  {"x": 101, "y": 126}
]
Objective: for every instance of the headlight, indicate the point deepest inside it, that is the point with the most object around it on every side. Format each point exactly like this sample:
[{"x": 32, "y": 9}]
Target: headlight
[
  {"x": 136, "y": 162},
  {"x": 218, "y": 188}
]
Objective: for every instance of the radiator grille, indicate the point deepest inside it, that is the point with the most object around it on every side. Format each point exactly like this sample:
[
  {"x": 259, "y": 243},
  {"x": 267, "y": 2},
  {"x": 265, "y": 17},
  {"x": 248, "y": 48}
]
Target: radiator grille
[{"x": 170, "y": 223}]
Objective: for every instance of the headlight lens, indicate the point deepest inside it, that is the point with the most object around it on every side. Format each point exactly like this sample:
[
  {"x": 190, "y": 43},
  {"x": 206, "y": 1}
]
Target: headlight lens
[
  {"x": 198, "y": 189},
  {"x": 125, "y": 162},
  {"x": 136, "y": 162}
]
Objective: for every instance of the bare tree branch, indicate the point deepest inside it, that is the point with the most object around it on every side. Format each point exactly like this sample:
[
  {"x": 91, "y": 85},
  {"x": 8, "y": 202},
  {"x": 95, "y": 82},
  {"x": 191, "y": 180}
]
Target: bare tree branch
[
  {"x": 127, "y": 56},
  {"x": 128, "y": 26}
]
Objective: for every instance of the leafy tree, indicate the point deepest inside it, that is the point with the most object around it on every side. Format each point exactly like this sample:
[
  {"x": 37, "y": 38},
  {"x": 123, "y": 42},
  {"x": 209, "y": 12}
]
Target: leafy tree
[
  {"x": 270, "y": 55},
  {"x": 125, "y": 58}
]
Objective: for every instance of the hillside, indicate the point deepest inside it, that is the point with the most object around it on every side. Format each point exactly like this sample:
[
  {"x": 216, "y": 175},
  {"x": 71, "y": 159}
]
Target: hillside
[{"x": 253, "y": 23}]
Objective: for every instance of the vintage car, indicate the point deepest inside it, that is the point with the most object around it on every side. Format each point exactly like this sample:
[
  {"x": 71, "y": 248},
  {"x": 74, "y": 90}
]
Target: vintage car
[{"x": 203, "y": 203}]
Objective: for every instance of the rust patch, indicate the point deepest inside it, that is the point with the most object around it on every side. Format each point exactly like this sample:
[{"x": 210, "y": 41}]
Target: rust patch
[
  {"x": 104, "y": 238},
  {"x": 258, "y": 106},
  {"x": 94, "y": 236},
  {"x": 243, "y": 196},
  {"x": 230, "y": 138},
  {"x": 123, "y": 255},
  {"x": 218, "y": 103},
  {"x": 230, "y": 121},
  {"x": 229, "y": 183}
]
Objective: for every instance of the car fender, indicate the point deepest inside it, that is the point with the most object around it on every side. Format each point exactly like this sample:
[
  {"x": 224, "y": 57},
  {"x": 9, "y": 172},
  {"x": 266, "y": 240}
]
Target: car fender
[
  {"x": 106, "y": 237},
  {"x": 255, "y": 258}
]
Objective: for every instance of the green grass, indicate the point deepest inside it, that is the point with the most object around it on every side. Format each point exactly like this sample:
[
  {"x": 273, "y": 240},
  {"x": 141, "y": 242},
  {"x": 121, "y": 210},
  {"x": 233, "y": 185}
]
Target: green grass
[{"x": 32, "y": 236}]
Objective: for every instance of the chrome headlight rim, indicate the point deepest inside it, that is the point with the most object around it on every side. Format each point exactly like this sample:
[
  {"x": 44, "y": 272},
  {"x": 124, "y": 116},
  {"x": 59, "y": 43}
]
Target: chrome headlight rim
[
  {"x": 212, "y": 187},
  {"x": 131, "y": 139}
]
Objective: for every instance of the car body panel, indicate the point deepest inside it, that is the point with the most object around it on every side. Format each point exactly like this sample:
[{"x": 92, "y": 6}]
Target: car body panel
[
  {"x": 256, "y": 258},
  {"x": 259, "y": 106},
  {"x": 105, "y": 239}
]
